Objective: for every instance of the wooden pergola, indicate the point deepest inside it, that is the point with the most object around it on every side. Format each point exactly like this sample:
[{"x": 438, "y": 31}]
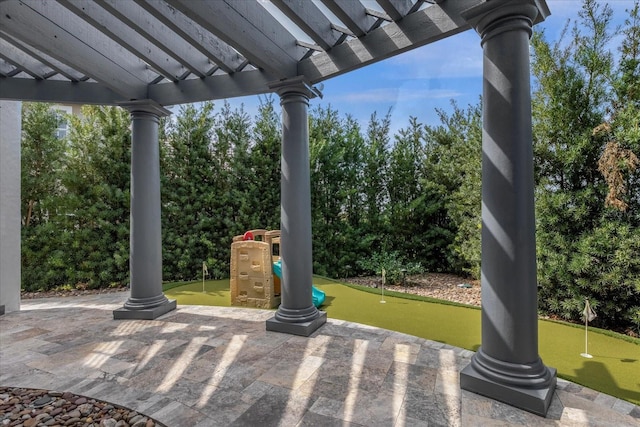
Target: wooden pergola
[{"x": 145, "y": 55}]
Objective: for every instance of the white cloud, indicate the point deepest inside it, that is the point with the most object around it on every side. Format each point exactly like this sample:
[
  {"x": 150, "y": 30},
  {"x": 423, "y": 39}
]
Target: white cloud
[
  {"x": 393, "y": 95},
  {"x": 453, "y": 57}
]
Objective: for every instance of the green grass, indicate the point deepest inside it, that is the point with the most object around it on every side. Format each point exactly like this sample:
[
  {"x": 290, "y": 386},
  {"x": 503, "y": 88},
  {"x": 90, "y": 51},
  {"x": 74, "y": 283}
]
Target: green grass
[
  {"x": 190, "y": 293},
  {"x": 613, "y": 369}
]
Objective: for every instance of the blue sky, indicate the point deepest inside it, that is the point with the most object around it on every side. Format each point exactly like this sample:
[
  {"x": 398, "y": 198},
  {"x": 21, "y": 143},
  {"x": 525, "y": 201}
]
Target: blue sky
[{"x": 419, "y": 81}]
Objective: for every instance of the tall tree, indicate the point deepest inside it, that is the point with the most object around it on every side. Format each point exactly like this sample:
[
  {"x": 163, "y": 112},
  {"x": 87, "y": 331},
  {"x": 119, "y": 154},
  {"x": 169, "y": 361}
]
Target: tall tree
[
  {"x": 584, "y": 251},
  {"x": 326, "y": 152},
  {"x": 611, "y": 254},
  {"x": 452, "y": 177},
  {"x": 97, "y": 182},
  {"x": 375, "y": 177},
  {"x": 233, "y": 133},
  {"x": 42, "y": 159},
  {"x": 265, "y": 165},
  {"x": 416, "y": 207},
  {"x": 352, "y": 240},
  {"x": 619, "y": 163},
  {"x": 191, "y": 194}
]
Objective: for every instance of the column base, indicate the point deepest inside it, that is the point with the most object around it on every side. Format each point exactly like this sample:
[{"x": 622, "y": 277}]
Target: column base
[
  {"x": 534, "y": 399},
  {"x": 304, "y": 328},
  {"x": 144, "y": 313}
]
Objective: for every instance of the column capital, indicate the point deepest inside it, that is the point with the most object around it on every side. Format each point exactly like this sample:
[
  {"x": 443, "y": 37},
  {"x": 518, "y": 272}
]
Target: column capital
[
  {"x": 297, "y": 85},
  {"x": 497, "y": 16},
  {"x": 148, "y": 106}
]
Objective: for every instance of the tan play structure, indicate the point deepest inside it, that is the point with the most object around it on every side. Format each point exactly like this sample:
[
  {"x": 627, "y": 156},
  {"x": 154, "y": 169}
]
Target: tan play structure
[{"x": 253, "y": 283}]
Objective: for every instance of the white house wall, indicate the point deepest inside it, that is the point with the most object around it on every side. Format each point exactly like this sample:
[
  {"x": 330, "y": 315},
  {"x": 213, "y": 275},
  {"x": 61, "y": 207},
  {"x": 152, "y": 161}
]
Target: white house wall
[{"x": 10, "y": 129}]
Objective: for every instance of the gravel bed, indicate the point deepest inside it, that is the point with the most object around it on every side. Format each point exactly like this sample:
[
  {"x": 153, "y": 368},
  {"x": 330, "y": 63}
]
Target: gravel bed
[
  {"x": 448, "y": 287},
  {"x": 70, "y": 292},
  {"x": 25, "y": 407}
]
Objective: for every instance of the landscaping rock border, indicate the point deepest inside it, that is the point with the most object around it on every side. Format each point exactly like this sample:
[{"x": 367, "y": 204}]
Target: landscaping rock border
[
  {"x": 26, "y": 407},
  {"x": 434, "y": 285}
]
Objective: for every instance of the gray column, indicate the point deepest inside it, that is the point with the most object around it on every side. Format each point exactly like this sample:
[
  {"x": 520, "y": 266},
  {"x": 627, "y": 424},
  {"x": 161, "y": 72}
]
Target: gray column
[
  {"x": 10, "y": 134},
  {"x": 296, "y": 314},
  {"x": 147, "y": 301},
  {"x": 507, "y": 366}
]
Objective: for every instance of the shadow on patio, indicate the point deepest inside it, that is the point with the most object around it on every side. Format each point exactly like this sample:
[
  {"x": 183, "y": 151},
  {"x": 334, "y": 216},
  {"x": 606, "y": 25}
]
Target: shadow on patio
[{"x": 210, "y": 366}]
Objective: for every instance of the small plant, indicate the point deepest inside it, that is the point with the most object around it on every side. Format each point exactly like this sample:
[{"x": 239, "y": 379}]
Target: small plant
[
  {"x": 393, "y": 264},
  {"x": 635, "y": 319}
]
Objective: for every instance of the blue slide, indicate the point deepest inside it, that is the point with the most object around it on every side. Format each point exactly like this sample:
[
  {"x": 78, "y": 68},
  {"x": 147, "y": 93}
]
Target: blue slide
[{"x": 317, "y": 295}]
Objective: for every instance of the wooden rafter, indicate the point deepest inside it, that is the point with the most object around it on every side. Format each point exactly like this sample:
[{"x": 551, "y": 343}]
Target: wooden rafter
[
  {"x": 353, "y": 14},
  {"x": 417, "y": 29},
  {"x": 158, "y": 34},
  {"x": 311, "y": 20},
  {"x": 64, "y": 36},
  {"x": 6, "y": 69},
  {"x": 125, "y": 36},
  {"x": 23, "y": 61},
  {"x": 263, "y": 40},
  {"x": 50, "y": 62},
  {"x": 396, "y": 9},
  {"x": 218, "y": 52}
]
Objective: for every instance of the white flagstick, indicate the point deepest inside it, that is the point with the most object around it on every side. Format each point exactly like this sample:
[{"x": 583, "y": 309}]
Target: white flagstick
[
  {"x": 587, "y": 316},
  {"x": 382, "y": 301},
  {"x": 586, "y": 350},
  {"x": 204, "y": 271}
]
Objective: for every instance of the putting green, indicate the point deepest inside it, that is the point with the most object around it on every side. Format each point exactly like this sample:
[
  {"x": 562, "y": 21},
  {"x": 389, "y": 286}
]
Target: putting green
[
  {"x": 613, "y": 369},
  {"x": 216, "y": 292}
]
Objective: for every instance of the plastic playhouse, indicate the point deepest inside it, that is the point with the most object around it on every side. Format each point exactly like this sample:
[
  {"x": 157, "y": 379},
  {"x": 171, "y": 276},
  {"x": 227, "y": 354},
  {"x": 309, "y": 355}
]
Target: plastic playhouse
[
  {"x": 256, "y": 270},
  {"x": 252, "y": 282}
]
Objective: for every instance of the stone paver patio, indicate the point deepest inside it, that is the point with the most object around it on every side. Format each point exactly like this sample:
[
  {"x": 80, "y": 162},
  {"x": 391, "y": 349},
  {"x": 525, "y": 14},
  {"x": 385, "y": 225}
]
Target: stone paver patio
[{"x": 217, "y": 366}]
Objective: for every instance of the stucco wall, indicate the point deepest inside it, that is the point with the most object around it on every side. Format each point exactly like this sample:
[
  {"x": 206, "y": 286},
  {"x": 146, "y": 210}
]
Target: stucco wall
[{"x": 10, "y": 130}]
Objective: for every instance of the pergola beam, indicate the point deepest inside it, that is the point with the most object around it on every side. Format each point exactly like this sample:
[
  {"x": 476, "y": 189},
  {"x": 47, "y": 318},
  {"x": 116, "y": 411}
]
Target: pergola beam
[
  {"x": 263, "y": 40},
  {"x": 192, "y": 90},
  {"x": 416, "y": 29},
  {"x": 216, "y": 86},
  {"x": 58, "y": 91},
  {"x": 64, "y": 36}
]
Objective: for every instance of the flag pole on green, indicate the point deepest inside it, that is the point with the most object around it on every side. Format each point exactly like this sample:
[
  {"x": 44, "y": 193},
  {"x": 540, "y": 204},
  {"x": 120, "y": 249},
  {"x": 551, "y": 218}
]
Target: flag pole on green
[
  {"x": 588, "y": 315},
  {"x": 205, "y": 272},
  {"x": 382, "y": 301}
]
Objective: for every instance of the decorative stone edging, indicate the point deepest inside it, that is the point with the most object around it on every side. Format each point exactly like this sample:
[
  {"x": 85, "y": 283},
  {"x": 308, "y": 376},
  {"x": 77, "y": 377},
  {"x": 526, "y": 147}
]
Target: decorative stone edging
[{"x": 25, "y": 407}]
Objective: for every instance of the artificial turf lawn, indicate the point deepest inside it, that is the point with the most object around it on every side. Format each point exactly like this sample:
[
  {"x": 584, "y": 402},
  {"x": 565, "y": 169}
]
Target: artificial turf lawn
[{"x": 613, "y": 370}]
